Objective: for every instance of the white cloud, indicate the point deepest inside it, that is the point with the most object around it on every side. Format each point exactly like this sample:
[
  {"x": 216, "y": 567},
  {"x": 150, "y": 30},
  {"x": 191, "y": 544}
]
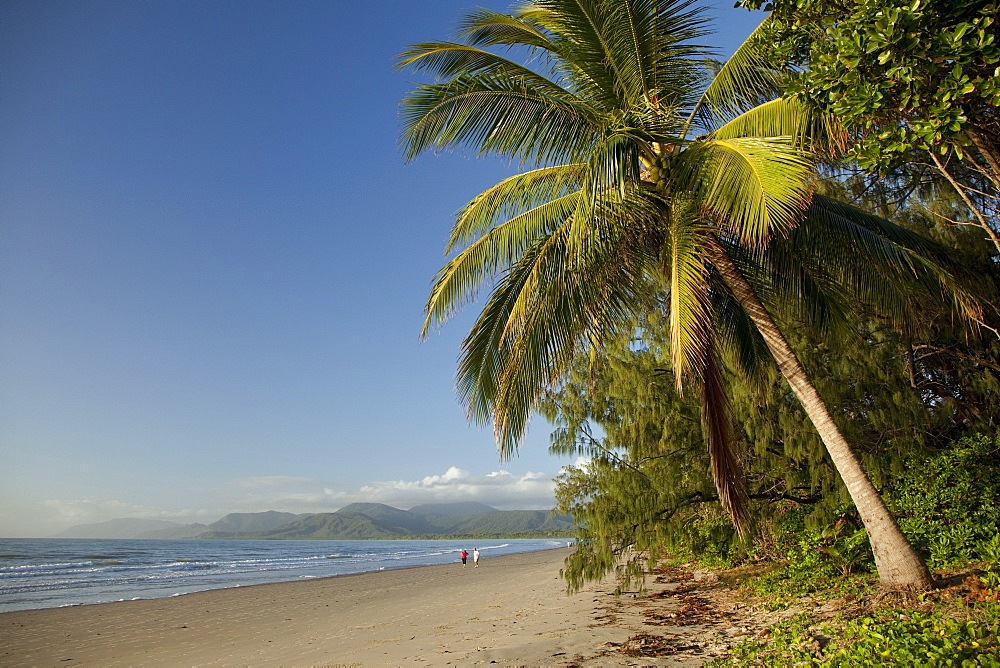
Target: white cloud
[{"x": 501, "y": 489}]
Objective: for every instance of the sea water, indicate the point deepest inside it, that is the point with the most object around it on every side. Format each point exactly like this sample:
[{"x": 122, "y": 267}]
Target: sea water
[{"x": 55, "y": 572}]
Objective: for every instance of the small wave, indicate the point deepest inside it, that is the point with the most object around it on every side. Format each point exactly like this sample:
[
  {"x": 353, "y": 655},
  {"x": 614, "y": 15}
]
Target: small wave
[{"x": 39, "y": 567}]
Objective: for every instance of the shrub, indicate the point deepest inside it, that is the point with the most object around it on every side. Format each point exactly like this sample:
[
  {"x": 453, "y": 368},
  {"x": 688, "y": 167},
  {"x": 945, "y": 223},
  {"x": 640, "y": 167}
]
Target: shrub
[
  {"x": 893, "y": 638},
  {"x": 948, "y": 505}
]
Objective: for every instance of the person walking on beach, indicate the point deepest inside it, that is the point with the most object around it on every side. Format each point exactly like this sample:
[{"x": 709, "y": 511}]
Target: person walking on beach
[
  {"x": 465, "y": 557},
  {"x": 475, "y": 556}
]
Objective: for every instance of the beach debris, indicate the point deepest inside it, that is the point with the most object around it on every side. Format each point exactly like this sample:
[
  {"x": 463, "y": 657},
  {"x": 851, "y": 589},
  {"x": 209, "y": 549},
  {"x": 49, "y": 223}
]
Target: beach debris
[{"x": 647, "y": 644}]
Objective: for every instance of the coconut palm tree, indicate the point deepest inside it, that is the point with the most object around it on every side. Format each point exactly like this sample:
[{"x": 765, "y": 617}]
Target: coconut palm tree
[{"x": 654, "y": 178}]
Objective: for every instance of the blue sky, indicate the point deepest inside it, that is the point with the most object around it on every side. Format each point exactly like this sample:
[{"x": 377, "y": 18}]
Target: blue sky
[{"x": 213, "y": 263}]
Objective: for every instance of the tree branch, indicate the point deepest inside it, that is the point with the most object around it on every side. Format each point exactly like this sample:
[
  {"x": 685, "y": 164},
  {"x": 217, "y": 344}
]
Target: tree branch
[{"x": 956, "y": 353}]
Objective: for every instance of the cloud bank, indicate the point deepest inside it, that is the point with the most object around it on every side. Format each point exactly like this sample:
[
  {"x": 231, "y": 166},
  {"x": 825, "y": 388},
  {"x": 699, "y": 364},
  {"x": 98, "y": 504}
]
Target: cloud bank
[{"x": 500, "y": 489}]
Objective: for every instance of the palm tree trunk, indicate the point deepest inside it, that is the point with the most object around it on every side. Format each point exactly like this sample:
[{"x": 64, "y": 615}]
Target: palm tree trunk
[{"x": 899, "y": 566}]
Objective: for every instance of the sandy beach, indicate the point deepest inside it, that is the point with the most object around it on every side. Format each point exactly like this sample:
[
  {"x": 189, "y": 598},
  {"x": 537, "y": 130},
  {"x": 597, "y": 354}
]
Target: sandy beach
[{"x": 512, "y": 610}]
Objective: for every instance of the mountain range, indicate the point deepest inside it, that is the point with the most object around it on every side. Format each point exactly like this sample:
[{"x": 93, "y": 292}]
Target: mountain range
[{"x": 358, "y": 521}]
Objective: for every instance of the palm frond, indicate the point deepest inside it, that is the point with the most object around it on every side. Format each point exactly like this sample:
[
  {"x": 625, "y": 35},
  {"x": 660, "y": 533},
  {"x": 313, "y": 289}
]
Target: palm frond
[
  {"x": 653, "y": 44},
  {"x": 798, "y": 285},
  {"x": 787, "y": 117},
  {"x": 744, "y": 81},
  {"x": 460, "y": 281},
  {"x": 448, "y": 60},
  {"x": 511, "y": 197},
  {"x": 484, "y": 27},
  {"x": 736, "y": 334},
  {"x": 613, "y": 167},
  {"x": 727, "y": 473},
  {"x": 870, "y": 254},
  {"x": 758, "y": 186},
  {"x": 689, "y": 298},
  {"x": 539, "y": 316},
  {"x": 497, "y": 116}
]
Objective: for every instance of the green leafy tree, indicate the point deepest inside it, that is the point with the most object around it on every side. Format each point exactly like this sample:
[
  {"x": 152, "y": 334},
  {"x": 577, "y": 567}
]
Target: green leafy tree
[
  {"x": 918, "y": 80},
  {"x": 652, "y": 187}
]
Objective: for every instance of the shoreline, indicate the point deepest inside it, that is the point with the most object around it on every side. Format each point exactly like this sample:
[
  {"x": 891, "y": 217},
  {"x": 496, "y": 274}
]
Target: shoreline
[
  {"x": 511, "y": 611},
  {"x": 513, "y": 608},
  {"x": 52, "y": 573}
]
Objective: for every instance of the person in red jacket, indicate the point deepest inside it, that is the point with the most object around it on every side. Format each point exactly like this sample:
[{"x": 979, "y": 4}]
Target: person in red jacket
[{"x": 465, "y": 557}]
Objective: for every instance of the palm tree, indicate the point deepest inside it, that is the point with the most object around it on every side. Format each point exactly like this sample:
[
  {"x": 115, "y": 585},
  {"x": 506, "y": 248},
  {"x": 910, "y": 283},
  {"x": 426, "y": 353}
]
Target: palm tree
[{"x": 650, "y": 182}]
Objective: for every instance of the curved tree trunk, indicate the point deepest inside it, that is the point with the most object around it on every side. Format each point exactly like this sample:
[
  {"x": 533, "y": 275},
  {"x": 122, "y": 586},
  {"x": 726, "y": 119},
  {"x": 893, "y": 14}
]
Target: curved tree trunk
[{"x": 898, "y": 564}]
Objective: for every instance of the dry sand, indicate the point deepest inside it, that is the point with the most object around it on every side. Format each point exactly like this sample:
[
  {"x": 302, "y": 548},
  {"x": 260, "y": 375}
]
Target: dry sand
[{"x": 511, "y": 611}]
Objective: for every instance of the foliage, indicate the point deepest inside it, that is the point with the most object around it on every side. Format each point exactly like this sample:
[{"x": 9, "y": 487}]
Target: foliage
[
  {"x": 898, "y": 392},
  {"x": 646, "y": 489},
  {"x": 907, "y": 72},
  {"x": 657, "y": 186},
  {"x": 947, "y": 505},
  {"x": 917, "y": 81},
  {"x": 947, "y": 508},
  {"x": 839, "y": 550},
  {"x": 646, "y": 485},
  {"x": 890, "y": 637}
]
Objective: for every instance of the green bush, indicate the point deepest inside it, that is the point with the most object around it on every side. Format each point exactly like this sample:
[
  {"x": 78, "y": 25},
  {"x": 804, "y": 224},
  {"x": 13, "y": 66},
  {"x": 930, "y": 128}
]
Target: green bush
[
  {"x": 894, "y": 638},
  {"x": 948, "y": 505},
  {"x": 916, "y": 639}
]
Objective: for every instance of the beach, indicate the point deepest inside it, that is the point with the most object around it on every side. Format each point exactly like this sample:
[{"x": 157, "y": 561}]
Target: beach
[{"x": 512, "y": 610}]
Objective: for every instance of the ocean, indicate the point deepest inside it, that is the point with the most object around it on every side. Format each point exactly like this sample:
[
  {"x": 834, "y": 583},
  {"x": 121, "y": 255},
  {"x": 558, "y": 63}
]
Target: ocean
[{"x": 54, "y": 572}]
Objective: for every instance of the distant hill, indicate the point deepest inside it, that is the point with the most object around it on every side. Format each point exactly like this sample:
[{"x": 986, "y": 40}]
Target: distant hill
[
  {"x": 389, "y": 518},
  {"x": 251, "y": 522},
  {"x": 378, "y": 521},
  {"x": 232, "y": 525},
  {"x": 342, "y": 525},
  {"x": 119, "y": 528},
  {"x": 511, "y": 522},
  {"x": 357, "y": 521},
  {"x": 451, "y": 509}
]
